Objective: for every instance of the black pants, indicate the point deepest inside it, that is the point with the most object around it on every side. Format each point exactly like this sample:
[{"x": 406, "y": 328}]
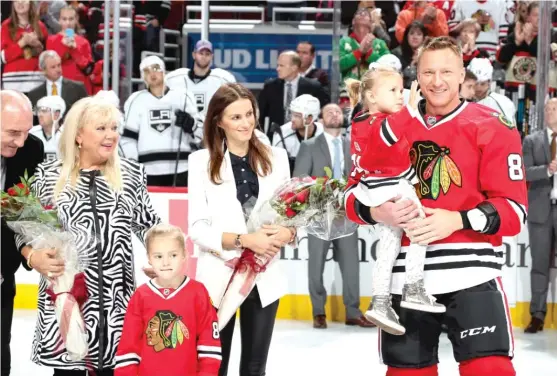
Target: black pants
[
  {"x": 6, "y": 334},
  {"x": 256, "y": 329},
  {"x": 63, "y": 372},
  {"x": 168, "y": 180}
]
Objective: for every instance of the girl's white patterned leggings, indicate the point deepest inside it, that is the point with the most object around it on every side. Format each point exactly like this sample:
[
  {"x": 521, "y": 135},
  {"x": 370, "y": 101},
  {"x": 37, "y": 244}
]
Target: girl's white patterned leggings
[{"x": 389, "y": 248}]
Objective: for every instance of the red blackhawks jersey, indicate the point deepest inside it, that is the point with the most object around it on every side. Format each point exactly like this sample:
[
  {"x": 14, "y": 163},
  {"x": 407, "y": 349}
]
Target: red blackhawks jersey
[
  {"x": 169, "y": 332},
  {"x": 462, "y": 159}
]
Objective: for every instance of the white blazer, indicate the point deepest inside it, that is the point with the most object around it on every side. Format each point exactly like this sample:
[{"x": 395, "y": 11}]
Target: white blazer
[{"x": 214, "y": 209}]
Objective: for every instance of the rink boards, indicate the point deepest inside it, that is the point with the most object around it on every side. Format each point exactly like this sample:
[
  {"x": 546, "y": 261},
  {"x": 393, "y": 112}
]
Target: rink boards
[{"x": 172, "y": 205}]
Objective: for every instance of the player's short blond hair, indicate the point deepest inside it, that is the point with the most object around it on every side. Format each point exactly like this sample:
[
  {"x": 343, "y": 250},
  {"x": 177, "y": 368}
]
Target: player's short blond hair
[
  {"x": 357, "y": 89},
  {"x": 440, "y": 43},
  {"x": 166, "y": 231}
]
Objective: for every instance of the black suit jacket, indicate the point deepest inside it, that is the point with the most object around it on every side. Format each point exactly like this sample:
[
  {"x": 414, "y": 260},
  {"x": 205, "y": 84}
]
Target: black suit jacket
[
  {"x": 72, "y": 91},
  {"x": 26, "y": 158},
  {"x": 271, "y": 98}
]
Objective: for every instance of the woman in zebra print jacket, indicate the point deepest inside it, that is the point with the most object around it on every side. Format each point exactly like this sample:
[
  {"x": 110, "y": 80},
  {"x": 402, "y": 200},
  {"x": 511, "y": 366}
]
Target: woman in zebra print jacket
[{"x": 97, "y": 194}]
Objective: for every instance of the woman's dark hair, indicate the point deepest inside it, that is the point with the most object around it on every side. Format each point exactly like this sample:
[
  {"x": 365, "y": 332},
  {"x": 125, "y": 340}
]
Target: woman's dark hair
[
  {"x": 214, "y": 136},
  {"x": 33, "y": 22},
  {"x": 405, "y": 46}
]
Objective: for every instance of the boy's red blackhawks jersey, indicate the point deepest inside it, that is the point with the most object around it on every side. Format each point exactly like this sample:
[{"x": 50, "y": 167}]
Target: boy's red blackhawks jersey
[
  {"x": 169, "y": 332},
  {"x": 464, "y": 158}
]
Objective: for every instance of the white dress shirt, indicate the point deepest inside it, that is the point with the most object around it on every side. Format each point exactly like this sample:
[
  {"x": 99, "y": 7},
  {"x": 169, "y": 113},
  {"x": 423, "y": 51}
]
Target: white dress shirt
[
  {"x": 58, "y": 86},
  {"x": 553, "y": 194},
  {"x": 331, "y": 146},
  {"x": 3, "y": 172},
  {"x": 294, "y": 84}
]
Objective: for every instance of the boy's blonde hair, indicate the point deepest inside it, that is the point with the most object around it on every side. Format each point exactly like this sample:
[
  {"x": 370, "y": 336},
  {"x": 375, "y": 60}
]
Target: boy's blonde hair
[
  {"x": 440, "y": 43},
  {"x": 358, "y": 89},
  {"x": 167, "y": 231}
]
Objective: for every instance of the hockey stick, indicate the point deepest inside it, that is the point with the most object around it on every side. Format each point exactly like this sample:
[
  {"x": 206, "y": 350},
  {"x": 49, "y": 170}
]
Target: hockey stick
[{"x": 180, "y": 139}]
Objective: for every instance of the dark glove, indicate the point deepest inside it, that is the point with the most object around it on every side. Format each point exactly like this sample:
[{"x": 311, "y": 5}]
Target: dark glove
[{"x": 184, "y": 121}]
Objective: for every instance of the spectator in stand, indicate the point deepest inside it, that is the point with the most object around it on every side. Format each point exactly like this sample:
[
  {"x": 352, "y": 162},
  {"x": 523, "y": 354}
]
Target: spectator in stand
[
  {"x": 97, "y": 78},
  {"x": 389, "y": 12},
  {"x": 306, "y": 51},
  {"x": 55, "y": 83},
  {"x": 75, "y": 50},
  {"x": 361, "y": 47},
  {"x": 288, "y": 85},
  {"x": 519, "y": 55},
  {"x": 414, "y": 37},
  {"x": 467, "y": 32},
  {"x": 468, "y": 87},
  {"x": 156, "y": 13},
  {"x": 49, "y": 12},
  {"x": 493, "y": 16},
  {"x": 22, "y": 41},
  {"x": 433, "y": 19}
]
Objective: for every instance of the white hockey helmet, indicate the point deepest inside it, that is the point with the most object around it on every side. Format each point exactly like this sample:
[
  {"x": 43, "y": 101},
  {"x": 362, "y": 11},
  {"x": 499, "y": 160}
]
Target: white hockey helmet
[
  {"x": 150, "y": 61},
  {"x": 306, "y": 105},
  {"x": 482, "y": 68},
  {"x": 389, "y": 60},
  {"x": 54, "y": 103},
  {"x": 109, "y": 96}
]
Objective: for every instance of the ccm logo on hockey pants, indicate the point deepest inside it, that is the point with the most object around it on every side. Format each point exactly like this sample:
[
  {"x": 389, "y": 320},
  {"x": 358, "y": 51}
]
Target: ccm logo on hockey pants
[{"x": 477, "y": 331}]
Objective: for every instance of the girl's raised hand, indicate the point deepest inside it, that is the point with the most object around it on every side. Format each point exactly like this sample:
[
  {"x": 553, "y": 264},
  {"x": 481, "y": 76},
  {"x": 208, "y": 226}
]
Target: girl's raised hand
[{"x": 414, "y": 97}]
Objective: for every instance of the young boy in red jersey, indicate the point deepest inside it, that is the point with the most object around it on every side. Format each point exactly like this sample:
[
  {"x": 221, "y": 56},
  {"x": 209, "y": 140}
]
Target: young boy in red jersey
[{"x": 170, "y": 326}]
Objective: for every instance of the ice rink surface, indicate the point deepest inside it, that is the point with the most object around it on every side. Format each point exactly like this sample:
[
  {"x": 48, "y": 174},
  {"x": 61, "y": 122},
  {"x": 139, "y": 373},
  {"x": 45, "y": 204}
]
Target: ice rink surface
[{"x": 298, "y": 349}]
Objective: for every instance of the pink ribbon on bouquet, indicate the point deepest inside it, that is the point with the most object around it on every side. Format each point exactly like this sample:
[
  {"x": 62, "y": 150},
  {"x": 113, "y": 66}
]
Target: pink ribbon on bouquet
[{"x": 247, "y": 262}]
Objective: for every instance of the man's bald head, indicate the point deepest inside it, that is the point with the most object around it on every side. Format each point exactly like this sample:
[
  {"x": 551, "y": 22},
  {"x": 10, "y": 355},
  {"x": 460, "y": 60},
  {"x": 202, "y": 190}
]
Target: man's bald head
[{"x": 17, "y": 121}]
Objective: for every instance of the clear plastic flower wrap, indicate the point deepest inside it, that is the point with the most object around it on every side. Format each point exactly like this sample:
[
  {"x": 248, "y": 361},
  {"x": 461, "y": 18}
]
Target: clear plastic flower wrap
[
  {"x": 38, "y": 226},
  {"x": 315, "y": 205}
]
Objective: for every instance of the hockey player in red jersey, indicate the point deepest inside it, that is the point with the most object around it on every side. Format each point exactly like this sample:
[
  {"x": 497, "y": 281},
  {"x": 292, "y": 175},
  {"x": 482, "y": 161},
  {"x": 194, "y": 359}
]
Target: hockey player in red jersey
[
  {"x": 382, "y": 171},
  {"x": 468, "y": 160},
  {"x": 170, "y": 327}
]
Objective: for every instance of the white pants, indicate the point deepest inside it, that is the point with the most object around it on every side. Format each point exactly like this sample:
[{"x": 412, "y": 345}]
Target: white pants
[{"x": 389, "y": 244}]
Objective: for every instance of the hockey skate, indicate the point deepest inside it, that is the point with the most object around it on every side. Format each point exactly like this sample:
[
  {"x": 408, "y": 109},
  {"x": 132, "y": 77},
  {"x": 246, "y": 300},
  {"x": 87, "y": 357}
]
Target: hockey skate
[
  {"x": 382, "y": 314},
  {"x": 415, "y": 297}
]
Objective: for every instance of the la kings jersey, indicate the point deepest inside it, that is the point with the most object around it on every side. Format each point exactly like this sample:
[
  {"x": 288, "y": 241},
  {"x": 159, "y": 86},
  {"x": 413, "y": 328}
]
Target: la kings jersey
[
  {"x": 203, "y": 88},
  {"x": 501, "y": 104},
  {"x": 290, "y": 140},
  {"x": 50, "y": 144},
  {"x": 494, "y": 28},
  {"x": 150, "y": 134}
]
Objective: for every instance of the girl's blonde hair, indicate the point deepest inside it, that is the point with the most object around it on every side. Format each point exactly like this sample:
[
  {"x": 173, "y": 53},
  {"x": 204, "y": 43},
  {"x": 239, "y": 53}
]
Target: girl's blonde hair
[
  {"x": 167, "y": 231},
  {"x": 358, "y": 89},
  {"x": 87, "y": 111}
]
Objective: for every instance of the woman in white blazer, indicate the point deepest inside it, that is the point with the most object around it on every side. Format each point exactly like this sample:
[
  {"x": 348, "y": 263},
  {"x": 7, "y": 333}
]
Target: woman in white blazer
[{"x": 234, "y": 168}]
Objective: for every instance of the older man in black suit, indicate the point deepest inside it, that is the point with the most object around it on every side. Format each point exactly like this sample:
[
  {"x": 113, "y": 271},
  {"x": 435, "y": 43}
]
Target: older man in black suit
[
  {"x": 274, "y": 100},
  {"x": 20, "y": 151}
]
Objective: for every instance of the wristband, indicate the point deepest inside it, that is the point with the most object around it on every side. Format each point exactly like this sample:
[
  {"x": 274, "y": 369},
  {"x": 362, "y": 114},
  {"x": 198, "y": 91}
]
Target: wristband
[{"x": 465, "y": 221}]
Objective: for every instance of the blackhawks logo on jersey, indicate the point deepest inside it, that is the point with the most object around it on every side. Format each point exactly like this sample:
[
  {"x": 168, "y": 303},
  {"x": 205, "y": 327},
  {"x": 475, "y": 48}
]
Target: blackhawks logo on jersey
[
  {"x": 435, "y": 168},
  {"x": 506, "y": 122},
  {"x": 165, "y": 330}
]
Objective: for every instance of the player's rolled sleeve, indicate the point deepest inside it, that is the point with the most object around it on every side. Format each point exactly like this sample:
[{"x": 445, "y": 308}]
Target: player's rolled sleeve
[{"x": 502, "y": 175}]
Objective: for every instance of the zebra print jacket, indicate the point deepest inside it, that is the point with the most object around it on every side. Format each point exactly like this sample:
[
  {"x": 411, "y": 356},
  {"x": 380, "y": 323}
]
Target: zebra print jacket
[{"x": 94, "y": 210}]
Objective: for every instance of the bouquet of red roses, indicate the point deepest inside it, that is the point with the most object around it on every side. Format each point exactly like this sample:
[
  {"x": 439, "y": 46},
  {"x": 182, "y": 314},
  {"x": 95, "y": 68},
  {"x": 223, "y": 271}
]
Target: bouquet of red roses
[
  {"x": 315, "y": 205},
  {"x": 38, "y": 226}
]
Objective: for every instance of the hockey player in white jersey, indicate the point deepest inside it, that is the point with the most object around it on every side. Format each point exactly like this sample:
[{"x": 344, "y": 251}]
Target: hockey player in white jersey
[
  {"x": 50, "y": 111},
  {"x": 202, "y": 80},
  {"x": 483, "y": 70},
  {"x": 162, "y": 127},
  {"x": 304, "y": 112}
]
